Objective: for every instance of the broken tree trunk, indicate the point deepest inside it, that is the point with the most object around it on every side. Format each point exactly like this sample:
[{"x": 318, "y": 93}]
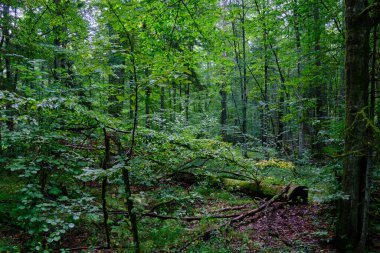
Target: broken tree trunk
[{"x": 295, "y": 194}]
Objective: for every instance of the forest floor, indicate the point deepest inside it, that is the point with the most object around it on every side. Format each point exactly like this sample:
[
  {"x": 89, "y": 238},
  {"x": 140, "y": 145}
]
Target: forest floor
[
  {"x": 291, "y": 228},
  {"x": 281, "y": 227}
]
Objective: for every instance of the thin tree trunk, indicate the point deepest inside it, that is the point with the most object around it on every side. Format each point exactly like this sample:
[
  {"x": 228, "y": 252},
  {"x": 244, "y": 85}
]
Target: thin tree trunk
[
  {"x": 223, "y": 114},
  {"x": 187, "y": 102},
  {"x": 131, "y": 97},
  {"x": 373, "y": 76},
  {"x": 174, "y": 90},
  {"x": 319, "y": 85},
  {"x": 8, "y": 84},
  {"x": 125, "y": 172},
  {"x": 239, "y": 67},
  {"x": 244, "y": 82},
  {"x": 147, "y": 106},
  {"x": 162, "y": 108},
  {"x": 301, "y": 129},
  {"x": 264, "y": 111},
  {"x": 180, "y": 98},
  {"x": 281, "y": 102},
  {"x": 104, "y": 186}
]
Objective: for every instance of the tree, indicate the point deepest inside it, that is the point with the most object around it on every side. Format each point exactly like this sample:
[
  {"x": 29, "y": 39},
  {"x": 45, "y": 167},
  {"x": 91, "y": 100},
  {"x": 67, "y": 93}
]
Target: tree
[{"x": 353, "y": 210}]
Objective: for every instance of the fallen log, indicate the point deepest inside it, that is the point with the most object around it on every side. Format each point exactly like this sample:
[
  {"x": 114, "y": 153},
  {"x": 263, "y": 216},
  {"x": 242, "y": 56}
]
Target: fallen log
[{"x": 295, "y": 193}]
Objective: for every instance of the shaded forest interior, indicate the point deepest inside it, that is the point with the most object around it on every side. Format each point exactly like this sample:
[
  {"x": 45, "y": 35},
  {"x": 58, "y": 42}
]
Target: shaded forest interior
[{"x": 189, "y": 126}]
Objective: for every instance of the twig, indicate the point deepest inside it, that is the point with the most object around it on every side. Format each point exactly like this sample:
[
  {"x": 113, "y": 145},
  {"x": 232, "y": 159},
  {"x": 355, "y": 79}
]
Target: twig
[
  {"x": 85, "y": 248},
  {"x": 262, "y": 207},
  {"x": 232, "y": 208},
  {"x": 207, "y": 234},
  {"x": 190, "y": 218}
]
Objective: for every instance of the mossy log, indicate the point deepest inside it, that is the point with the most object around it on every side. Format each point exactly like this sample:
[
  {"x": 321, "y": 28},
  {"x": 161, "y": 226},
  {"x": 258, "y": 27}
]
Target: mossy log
[{"x": 295, "y": 194}]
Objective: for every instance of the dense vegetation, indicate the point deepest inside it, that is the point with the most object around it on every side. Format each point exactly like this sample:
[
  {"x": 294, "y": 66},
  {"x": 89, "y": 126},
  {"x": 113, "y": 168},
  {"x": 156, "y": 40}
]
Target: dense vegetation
[{"x": 189, "y": 126}]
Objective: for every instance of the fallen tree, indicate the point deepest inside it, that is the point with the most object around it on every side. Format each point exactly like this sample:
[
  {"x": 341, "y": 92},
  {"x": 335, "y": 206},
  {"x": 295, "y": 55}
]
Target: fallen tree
[{"x": 295, "y": 193}]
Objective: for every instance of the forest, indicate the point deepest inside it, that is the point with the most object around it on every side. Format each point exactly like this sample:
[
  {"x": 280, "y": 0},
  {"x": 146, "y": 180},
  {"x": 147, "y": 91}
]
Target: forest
[{"x": 190, "y": 126}]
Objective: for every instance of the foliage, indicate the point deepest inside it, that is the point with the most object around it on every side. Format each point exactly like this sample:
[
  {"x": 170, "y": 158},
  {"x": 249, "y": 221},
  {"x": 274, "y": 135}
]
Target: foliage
[{"x": 247, "y": 89}]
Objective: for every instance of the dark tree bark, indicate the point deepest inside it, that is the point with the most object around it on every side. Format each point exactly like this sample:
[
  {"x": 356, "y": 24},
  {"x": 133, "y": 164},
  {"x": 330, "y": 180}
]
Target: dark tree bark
[
  {"x": 301, "y": 128},
  {"x": 223, "y": 103},
  {"x": 223, "y": 114},
  {"x": 174, "y": 90},
  {"x": 162, "y": 107},
  {"x": 8, "y": 83},
  {"x": 147, "y": 106},
  {"x": 187, "y": 101},
  {"x": 105, "y": 165},
  {"x": 244, "y": 94},
  {"x": 281, "y": 102},
  {"x": 147, "y": 99},
  {"x": 353, "y": 217},
  {"x": 319, "y": 86},
  {"x": 264, "y": 111},
  {"x": 373, "y": 75}
]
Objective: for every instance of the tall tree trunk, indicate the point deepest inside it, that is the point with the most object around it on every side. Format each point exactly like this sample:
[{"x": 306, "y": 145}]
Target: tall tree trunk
[
  {"x": 353, "y": 217},
  {"x": 174, "y": 90},
  {"x": 8, "y": 83},
  {"x": 301, "y": 127},
  {"x": 264, "y": 111},
  {"x": 244, "y": 82},
  {"x": 281, "y": 101},
  {"x": 373, "y": 76},
  {"x": 147, "y": 99},
  {"x": 131, "y": 97},
  {"x": 319, "y": 86},
  {"x": 162, "y": 108},
  {"x": 223, "y": 114},
  {"x": 187, "y": 102},
  {"x": 105, "y": 166}
]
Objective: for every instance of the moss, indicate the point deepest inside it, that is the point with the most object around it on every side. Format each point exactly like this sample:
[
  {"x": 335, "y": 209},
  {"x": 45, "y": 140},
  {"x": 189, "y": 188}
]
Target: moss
[{"x": 247, "y": 187}]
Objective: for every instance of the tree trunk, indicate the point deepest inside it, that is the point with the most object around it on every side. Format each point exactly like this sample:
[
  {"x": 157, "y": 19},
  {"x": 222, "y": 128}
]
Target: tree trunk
[
  {"x": 296, "y": 193},
  {"x": 353, "y": 210},
  {"x": 281, "y": 102},
  {"x": 187, "y": 102},
  {"x": 105, "y": 166},
  {"x": 8, "y": 82},
  {"x": 223, "y": 96},
  {"x": 319, "y": 86},
  {"x": 223, "y": 115},
  {"x": 147, "y": 106},
  {"x": 162, "y": 108},
  {"x": 244, "y": 82},
  {"x": 264, "y": 108},
  {"x": 174, "y": 90},
  {"x": 301, "y": 127}
]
